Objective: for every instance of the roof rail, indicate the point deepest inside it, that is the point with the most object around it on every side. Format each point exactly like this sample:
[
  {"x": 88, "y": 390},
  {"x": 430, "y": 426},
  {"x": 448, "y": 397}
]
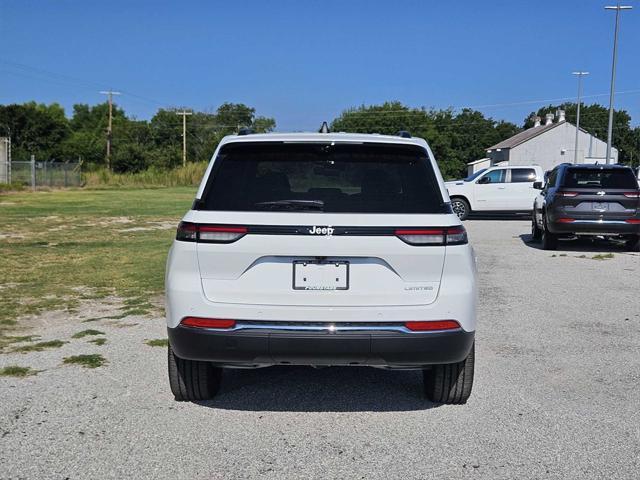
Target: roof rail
[
  {"x": 403, "y": 134},
  {"x": 246, "y": 131}
]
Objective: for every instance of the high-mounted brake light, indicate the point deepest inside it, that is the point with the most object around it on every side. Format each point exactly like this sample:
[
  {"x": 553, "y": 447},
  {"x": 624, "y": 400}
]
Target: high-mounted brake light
[
  {"x": 433, "y": 236},
  {"x": 568, "y": 194},
  {"x": 193, "y": 232},
  {"x": 565, "y": 220},
  {"x": 431, "y": 325},
  {"x": 633, "y": 221},
  {"x": 199, "y": 322},
  {"x": 632, "y": 194}
]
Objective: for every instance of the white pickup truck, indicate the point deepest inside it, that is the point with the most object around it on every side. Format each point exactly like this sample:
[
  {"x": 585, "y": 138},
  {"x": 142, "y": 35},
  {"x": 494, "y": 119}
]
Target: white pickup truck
[{"x": 495, "y": 189}]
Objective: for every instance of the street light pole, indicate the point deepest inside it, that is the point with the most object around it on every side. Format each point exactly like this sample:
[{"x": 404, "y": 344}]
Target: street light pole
[
  {"x": 617, "y": 8},
  {"x": 580, "y": 75}
]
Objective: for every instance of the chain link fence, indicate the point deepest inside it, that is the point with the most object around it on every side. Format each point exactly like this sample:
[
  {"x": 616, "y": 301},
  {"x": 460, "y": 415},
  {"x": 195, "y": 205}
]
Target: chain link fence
[{"x": 45, "y": 174}]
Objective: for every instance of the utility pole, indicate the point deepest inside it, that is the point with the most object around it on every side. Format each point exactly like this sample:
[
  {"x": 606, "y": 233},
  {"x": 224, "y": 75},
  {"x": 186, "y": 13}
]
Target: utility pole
[
  {"x": 184, "y": 114},
  {"x": 617, "y": 8},
  {"x": 110, "y": 94},
  {"x": 580, "y": 75}
]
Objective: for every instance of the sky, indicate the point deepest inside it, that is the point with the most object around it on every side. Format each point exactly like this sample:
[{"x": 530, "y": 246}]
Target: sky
[{"x": 303, "y": 62}]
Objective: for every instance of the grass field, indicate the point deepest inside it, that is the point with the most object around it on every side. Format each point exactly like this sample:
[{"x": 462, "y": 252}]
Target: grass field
[{"x": 63, "y": 247}]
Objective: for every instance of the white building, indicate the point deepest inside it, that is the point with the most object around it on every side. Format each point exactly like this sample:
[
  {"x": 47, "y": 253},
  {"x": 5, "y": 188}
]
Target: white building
[{"x": 546, "y": 145}]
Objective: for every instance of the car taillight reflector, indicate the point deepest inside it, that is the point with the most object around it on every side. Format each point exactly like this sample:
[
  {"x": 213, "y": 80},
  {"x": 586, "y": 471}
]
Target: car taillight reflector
[
  {"x": 430, "y": 325},
  {"x": 565, "y": 220},
  {"x": 199, "y": 322},
  {"x": 209, "y": 233},
  {"x": 633, "y": 221},
  {"x": 568, "y": 194},
  {"x": 632, "y": 194},
  {"x": 193, "y": 232},
  {"x": 433, "y": 236}
]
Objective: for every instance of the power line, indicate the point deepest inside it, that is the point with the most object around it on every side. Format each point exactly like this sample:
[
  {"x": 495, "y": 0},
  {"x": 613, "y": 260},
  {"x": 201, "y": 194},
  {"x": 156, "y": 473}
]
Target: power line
[
  {"x": 61, "y": 78},
  {"x": 69, "y": 80},
  {"x": 491, "y": 105}
]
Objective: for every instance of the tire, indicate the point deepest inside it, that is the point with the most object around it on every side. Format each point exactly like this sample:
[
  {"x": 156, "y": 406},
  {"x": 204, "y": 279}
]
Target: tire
[
  {"x": 536, "y": 233},
  {"x": 460, "y": 207},
  {"x": 633, "y": 243},
  {"x": 450, "y": 383},
  {"x": 192, "y": 380},
  {"x": 549, "y": 240}
]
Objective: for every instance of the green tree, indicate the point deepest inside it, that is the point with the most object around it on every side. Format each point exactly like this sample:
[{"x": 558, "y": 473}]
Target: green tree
[
  {"x": 455, "y": 139},
  {"x": 230, "y": 117},
  {"x": 36, "y": 129},
  {"x": 130, "y": 157},
  {"x": 204, "y": 131},
  {"x": 88, "y": 140}
]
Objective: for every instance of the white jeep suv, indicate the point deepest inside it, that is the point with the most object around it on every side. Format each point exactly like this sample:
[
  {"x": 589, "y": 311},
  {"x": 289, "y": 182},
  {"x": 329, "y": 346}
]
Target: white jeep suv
[{"x": 321, "y": 249}]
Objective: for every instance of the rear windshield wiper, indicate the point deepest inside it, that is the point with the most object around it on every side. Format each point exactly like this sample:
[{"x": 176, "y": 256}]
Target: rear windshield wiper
[{"x": 291, "y": 205}]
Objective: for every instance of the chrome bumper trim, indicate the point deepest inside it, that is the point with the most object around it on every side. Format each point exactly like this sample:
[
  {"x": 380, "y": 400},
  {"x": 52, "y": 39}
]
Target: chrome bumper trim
[
  {"x": 327, "y": 328},
  {"x": 597, "y": 222}
]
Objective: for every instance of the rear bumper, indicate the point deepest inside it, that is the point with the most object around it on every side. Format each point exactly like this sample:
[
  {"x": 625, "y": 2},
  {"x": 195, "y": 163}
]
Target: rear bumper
[
  {"x": 372, "y": 347},
  {"x": 595, "y": 227}
]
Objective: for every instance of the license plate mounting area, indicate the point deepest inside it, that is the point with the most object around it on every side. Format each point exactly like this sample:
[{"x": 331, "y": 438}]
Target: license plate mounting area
[{"x": 320, "y": 275}]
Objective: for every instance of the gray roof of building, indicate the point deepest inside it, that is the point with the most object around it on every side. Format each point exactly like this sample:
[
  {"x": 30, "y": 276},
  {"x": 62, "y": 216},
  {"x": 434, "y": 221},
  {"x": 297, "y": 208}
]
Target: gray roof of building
[{"x": 524, "y": 136}]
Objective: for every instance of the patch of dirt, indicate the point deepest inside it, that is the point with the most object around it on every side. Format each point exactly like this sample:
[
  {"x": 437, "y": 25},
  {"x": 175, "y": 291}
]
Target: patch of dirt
[
  {"x": 17, "y": 236},
  {"x": 86, "y": 309},
  {"x": 168, "y": 225},
  {"x": 109, "y": 221},
  {"x": 122, "y": 324},
  {"x": 513, "y": 351}
]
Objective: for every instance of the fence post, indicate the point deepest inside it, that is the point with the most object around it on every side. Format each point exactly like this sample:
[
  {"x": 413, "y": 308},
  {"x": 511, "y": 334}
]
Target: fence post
[
  {"x": 33, "y": 172},
  {"x": 64, "y": 167}
]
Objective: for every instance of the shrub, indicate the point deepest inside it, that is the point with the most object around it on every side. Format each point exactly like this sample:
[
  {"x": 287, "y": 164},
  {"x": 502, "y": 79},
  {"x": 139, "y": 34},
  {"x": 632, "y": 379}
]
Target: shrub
[{"x": 190, "y": 175}]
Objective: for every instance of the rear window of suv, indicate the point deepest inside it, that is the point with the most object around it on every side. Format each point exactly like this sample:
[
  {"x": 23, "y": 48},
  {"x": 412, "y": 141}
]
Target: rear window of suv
[
  {"x": 599, "y": 178},
  {"x": 356, "y": 178}
]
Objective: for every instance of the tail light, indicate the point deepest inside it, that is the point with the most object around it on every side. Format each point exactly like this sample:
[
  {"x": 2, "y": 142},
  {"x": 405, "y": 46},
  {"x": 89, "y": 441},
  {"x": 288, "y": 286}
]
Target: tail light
[
  {"x": 633, "y": 221},
  {"x": 431, "y": 325},
  {"x": 632, "y": 194},
  {"x": 568, "y": 194},
  {"x": 565, "y": 220},
  {"x": 199, "y": 322},
  {"x": 193, "y": 232},
  {"x": 433, "y": 236}
]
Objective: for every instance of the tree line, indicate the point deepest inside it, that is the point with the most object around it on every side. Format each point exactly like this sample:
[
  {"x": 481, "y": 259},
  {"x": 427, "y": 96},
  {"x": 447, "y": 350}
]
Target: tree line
[
  {"x": 47, "y": 133},
  {"x": 456, "y": 138}
]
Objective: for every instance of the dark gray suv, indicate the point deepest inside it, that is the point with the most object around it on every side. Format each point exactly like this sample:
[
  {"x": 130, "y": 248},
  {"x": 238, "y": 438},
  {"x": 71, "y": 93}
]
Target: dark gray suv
[{"x": 602, "y": 200}]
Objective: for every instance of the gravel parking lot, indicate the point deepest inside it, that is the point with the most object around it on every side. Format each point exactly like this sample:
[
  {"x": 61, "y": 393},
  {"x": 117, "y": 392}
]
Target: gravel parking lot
[{"x": 556, "y": 393}]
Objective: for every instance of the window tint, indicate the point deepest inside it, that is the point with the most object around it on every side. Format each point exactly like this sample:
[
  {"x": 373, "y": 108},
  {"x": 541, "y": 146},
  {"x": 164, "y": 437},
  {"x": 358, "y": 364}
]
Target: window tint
[
  {"x": 551, "y": 181},
  {"x": 599, "y": 178},
  {"x": 474, "y": 175},
  {"x": 369, "y": 178},
  {"x": 494, "y": 176},
  {"x": 523, "y": 175}
]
